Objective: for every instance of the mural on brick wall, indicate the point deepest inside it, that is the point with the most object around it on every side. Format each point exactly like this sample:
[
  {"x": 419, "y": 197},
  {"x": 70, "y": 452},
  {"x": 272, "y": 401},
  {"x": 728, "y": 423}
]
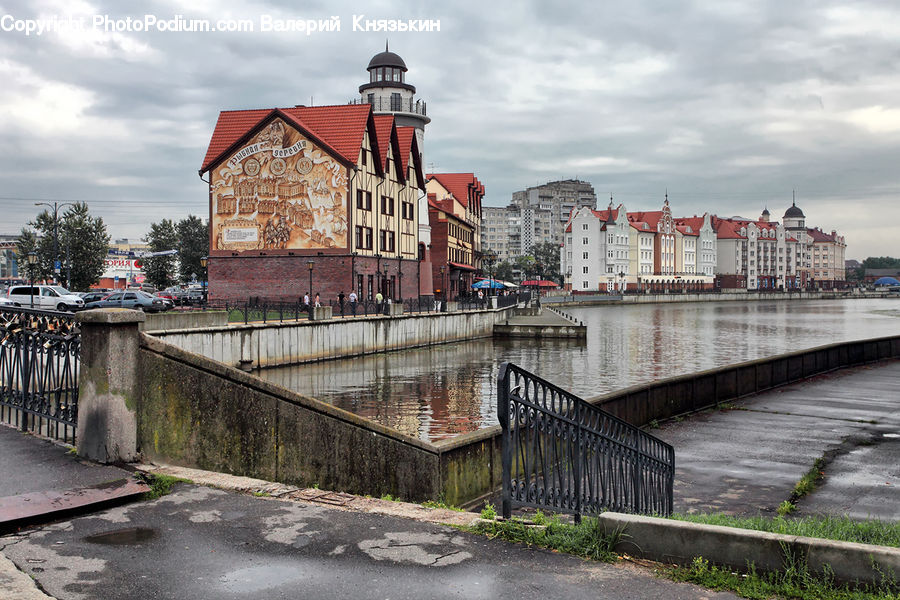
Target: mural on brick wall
[{"x": 280, "y": 191}]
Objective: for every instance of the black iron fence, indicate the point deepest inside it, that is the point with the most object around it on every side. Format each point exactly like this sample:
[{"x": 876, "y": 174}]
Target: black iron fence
[
  {"x": 565, "y": 455},
  {"x": 262, "y": 310},
  {"x": 39, "y": 362}
]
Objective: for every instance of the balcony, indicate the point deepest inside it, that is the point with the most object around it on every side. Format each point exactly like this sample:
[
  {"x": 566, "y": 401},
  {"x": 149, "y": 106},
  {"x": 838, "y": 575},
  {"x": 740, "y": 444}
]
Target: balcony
[{"x": 416, "y": 107}]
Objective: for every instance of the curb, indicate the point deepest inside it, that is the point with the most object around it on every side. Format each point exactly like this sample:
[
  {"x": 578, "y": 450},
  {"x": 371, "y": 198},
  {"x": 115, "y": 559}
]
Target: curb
[{"x": 669, "y": 541}]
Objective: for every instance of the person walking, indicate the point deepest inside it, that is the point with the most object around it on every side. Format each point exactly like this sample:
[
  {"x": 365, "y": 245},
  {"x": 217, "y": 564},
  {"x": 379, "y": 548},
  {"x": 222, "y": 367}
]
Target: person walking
[
  {"x": 353, "y": 299},
  {"x": 378, "y": 300},
  {"x": 341, "y": 301},
  {"x": 318, "y": 304}
]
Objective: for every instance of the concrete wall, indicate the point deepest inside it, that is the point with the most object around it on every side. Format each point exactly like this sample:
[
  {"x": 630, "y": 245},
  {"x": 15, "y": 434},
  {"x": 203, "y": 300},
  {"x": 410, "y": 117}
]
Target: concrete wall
[
  {"x": 276, "y": 344},
  {"x": 196, "y": 412},
  {"x": 184, "y": 319}
]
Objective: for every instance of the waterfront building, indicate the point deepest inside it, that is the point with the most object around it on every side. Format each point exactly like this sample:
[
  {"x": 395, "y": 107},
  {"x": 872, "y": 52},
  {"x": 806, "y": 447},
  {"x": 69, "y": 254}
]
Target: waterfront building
[
  {"x": 828, "y": 266},
  {"x": 594, "y": 255},
  {"x": 704, "y": 255},
  {"x": 454, "y": 213},
  {"x": 759, "y": 254},
  {"x": 318, "y": 211},
  {"x": 501, "y": 231},
  {"x": 321, "y": 199}
]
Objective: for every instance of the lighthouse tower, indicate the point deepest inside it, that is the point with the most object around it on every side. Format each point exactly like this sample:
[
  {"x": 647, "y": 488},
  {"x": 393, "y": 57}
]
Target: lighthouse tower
[{"x": 389, "y": 94}]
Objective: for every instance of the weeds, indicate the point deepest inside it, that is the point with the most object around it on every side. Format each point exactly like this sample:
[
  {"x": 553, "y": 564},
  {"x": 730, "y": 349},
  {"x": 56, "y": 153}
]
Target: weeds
[
  {"x": 441, "y": 504},
  {"x": 588, "y": 539},
  {"x": 786, "y": 508},
  {"x": 489, "y": 513},
  {"x": 160, "y": 485},
  {"x": 389, "y": 498},
  {"x": 844, "y": 529}
]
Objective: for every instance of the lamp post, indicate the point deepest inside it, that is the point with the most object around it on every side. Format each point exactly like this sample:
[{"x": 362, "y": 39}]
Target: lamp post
[
  {"x": 55, "y": 206},
  {"x": 310, "y": 264},
  {"x": 32, "y": 258},
  {"x": 204, "y": 260},
  {"x": 490, "y": 258},
  {"x": 378, "y": 274},
  {"x": 443, "y": 289}
]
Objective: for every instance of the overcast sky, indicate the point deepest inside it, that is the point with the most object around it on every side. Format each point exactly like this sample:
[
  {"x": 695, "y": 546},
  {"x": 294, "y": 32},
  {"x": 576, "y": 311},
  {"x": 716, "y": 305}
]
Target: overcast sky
[{"x": 730, "y": 105}]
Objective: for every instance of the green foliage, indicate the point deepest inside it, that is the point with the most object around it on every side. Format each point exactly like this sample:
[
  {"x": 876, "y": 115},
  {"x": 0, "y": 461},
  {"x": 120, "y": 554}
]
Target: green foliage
[
  {"x": 794, "y": 580},
  {"x": 810, "y": 480},
  {"x": 786, "y": 508},
  {"x": 546, "y": 257},
  {"x": 192, "y": 245},
  {"x": 160, "y": 485},
  {"x": 503, "y": 270},
  {"x": 441, "y": 504},
  {"x": 881, "y": 262},
  {"x": 880, "y": 533},
  {"x": 489, "y": 512},
  {"x": 79, "y": 240},
  {"x": 587, "y": 539},
  {"x": 160, "y": 270},
  {"x": 390, "y": 498}
]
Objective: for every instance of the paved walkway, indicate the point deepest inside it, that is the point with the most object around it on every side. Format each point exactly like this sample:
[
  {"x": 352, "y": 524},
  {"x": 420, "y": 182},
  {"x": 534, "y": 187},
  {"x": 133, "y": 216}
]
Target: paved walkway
[
  {"x": 746, "y": 460},
  {"x": 206, "y": 543}
]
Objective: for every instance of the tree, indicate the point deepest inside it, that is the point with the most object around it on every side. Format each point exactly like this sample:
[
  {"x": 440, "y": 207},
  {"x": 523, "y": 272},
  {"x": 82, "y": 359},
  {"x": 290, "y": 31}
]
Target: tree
[
  {"x": 881, "y": 262},
  {"x": 84, "y": 244},
  {"x": 546, "y": 254},
  {"x": 25, "y": 244},
  {"x": 193, "y": 244},
  {"x": 81, "y": 242},
  {"x": 159, "y": 271},
  {"x": 503, "y": 270}
]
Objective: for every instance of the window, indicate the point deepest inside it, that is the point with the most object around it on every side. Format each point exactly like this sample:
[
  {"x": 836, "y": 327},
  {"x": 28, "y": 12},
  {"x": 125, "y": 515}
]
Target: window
[
  {"x": 584, "y": 241},
  {"x": 387, "y": 205},
  {"x": 395, "y": 101},
  {"x": 584, "y": 270},
  {"x": 407, "y": 211},
  {"x": 363, "y": 237},
  {"x": 584, "y": 285},
  {"x": 584, "y": 226},
  {"x": 584, "y": 255},
  {"x": 363, "y": 200},
  {"x": 371, "y": 100},
  {"x": 387, "y": 241},
  {"x": 365, "y": 157}
]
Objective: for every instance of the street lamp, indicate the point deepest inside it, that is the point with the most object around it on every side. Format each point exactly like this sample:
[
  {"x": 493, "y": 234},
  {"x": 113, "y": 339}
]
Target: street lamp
[
  {"x": 55, "y": 206},
  {"x": 204, "y": 260},
  {"x": 490, "y": 258},
  {"x": 443, "y": 289},
  {"x": 310, "y": 264},
  {"x": 32, "y": 258}
]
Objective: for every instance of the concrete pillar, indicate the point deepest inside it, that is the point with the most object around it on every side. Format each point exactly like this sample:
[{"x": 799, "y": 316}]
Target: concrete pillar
[{"x": 108, "y": 388}]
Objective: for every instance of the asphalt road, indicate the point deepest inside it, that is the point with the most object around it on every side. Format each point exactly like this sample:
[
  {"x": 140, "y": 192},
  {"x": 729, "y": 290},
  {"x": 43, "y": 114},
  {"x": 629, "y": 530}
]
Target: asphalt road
[{"x": 204, "y": 543}]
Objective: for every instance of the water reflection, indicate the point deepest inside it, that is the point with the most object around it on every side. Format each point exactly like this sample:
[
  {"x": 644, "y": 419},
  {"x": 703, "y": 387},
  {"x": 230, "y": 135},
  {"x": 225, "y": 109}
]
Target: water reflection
[{"x": 443, "y": 391}]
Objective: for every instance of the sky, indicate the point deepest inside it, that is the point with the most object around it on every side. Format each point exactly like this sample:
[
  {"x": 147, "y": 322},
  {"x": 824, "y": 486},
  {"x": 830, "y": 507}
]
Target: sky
[{"x": 729, "y": 106}]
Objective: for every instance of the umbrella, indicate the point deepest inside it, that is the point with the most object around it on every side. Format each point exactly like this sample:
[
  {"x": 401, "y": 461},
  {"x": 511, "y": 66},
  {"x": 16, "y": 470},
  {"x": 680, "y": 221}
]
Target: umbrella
[
  {"x": 887, "y": 281},
  {"x": 487, "y": 283}
]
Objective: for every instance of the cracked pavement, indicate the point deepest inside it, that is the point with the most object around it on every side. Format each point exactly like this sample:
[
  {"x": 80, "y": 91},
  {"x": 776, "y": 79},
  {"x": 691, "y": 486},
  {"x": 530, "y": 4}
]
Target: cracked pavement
[{"x": 205, "y": 543}]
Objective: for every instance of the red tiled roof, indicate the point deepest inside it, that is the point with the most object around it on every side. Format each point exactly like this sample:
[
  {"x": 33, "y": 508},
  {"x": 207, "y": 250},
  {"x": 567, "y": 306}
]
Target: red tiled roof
[
  {"x": 684, "y": 229},
  {"x": 458, "y": 185},
  {"x": 728, "y": 228},
  {"x": 607, "y": 215},
  {"x": 818, "y": 235},
  {"x": 384, "y": 126},
  {"x": 339, "y": 129},
  {"x": 696, "y": 223},
  {"x": 639, "y": 225},
  {"x": 650, "y": 217},
  {"x": 405, "y": 136}
]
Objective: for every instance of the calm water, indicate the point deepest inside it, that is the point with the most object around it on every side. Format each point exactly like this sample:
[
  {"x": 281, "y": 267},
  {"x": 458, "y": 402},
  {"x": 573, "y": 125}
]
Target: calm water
[{"x": 443, "y": 391}]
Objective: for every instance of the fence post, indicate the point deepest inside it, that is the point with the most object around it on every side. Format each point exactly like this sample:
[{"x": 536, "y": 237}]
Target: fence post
[
  {"x": 505, "y": 450},
  {"x": 579, "y": 467},
  {"x": 108, "y": 388}
]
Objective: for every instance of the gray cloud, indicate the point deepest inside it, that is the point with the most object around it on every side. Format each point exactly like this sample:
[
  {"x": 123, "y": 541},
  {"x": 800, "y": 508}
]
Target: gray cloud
[{"x": 729, "y": 105}]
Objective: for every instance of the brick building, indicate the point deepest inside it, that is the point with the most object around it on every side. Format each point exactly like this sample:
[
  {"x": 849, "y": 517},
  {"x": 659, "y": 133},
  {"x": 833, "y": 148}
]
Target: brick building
[
  {"x": 321, "y": 199},
  {"x": 454, "y": 214}
]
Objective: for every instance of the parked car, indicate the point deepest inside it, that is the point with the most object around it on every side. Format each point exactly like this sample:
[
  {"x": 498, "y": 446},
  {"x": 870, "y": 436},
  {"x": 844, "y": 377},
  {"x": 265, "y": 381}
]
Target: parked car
[
  {"x": 94, "y": 296},
  {"x": 134, "y": 299},
  {"x": 194, "y": 295},
  {"x": 175, "y": 294},
  {"x": 45, "y": 297}
]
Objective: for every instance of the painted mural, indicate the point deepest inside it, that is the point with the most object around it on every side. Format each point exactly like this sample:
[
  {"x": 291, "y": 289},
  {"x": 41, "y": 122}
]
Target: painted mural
[{"x": 280, "y": 191}]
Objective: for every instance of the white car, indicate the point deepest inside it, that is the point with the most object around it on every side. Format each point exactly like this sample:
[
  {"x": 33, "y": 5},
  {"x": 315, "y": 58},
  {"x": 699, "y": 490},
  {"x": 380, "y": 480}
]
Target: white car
[{"x": 45, "y": 297}]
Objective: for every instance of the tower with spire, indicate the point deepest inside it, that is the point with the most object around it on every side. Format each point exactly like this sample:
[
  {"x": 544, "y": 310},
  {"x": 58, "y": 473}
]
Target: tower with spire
[{"x": 389, "y": 94}]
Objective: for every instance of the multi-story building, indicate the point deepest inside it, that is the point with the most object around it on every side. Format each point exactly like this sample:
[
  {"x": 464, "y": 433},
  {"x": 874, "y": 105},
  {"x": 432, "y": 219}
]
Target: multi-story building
[
  {"x": 9, "y": 268},
  {"x": 594, "y": 254},
  {"x": 662, "y": 225},
  {"x": 704, "y": 254},
  {"x": 321, "y": 199},
  {"x": 828, "y": 265},
  {"x": 501, "y": 231},
  {"x": 454, "y": 212},
  {"x": 545, "y": 210}
]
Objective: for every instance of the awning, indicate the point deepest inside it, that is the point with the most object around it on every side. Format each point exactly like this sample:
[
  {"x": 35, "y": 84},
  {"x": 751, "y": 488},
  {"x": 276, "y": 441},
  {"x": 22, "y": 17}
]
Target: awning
[{"x": 461, "y": 266}]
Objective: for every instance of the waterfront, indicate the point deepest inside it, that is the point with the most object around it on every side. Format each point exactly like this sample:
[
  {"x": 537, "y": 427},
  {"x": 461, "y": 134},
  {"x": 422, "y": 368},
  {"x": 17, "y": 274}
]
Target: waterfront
[{"x": 442, "y": 391}]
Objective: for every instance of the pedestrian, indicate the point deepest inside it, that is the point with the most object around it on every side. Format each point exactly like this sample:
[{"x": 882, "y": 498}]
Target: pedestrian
[
  {"x": 306, "y": 300},
  {"x": 341, "y": 300},
  {"x": 378, "y": 300},
  {"x": 353, "y": 298},
  {"x": 318, "y": 304}
]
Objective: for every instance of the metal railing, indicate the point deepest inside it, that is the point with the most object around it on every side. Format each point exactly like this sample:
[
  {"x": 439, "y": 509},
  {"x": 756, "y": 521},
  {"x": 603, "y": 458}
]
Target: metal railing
[
  {"x": 261, "y": 310},
  {"x": 39, "y": 363},
  {"x": 563, "y": 454}
]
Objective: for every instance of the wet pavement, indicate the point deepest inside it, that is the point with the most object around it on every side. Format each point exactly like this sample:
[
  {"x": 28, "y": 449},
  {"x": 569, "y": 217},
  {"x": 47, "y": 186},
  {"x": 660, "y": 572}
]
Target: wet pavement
[
  {"x": 201, "y": 543},
  {"x": 745, "y": 460}
]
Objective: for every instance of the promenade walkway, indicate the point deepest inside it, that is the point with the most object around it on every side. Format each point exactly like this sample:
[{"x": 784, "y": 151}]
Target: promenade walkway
[{"x": 746, "y": 459}]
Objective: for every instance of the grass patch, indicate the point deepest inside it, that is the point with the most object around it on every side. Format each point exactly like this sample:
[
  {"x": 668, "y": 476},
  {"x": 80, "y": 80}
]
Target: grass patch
[
  {"x": 786, "y": 508},
  {"x": 809, "y": 481},
  {"x": 160, "y": 485},
  {"x": 881, "y": 533},
  {"x": 390, "y": 498},
  {"x": 489, "y": 512},
  {"x": 440, "y": 504},
  {"x": 589, "y": 539},
  {"x": 794, "y": 581}
]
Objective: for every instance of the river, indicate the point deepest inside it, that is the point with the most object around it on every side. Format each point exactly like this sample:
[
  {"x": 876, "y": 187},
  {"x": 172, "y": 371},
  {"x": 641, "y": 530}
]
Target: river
[{"x": 443, "y": 391}]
